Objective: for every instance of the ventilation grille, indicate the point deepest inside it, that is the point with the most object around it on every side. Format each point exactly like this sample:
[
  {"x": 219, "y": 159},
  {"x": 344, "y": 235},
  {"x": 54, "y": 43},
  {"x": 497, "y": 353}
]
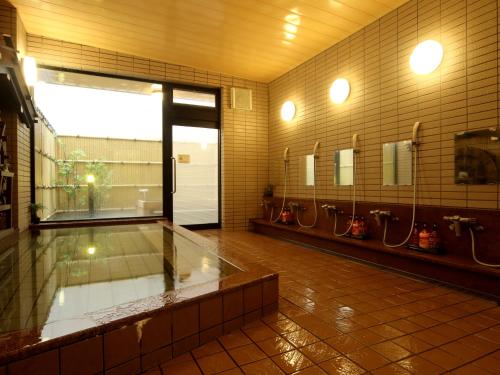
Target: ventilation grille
[{"x": 241, "y": 98}]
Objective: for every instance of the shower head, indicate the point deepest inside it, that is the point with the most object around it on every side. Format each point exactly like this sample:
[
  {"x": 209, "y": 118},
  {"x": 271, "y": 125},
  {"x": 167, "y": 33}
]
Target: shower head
[
  {"x": 414, "y": 137},
  {"x": 285, "y": 155},
  {"x": 315, "y": 150},
  {"x": 355, "y": 140}
]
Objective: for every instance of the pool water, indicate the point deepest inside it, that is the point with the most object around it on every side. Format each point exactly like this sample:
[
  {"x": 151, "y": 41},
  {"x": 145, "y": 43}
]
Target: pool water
[{"x": 61, "y": 275}]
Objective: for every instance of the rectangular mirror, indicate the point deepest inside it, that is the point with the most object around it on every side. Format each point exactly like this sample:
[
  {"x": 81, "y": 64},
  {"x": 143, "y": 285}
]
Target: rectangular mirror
[
  {"x": 397, "y": 163},
  {"x": 306, "y": 170},
  {"x": 477, "y": 157},
  {"x": 344, "y": 167}
]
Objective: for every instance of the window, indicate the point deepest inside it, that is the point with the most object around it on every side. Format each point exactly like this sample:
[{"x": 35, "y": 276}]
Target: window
[{"x": 98, "y": 153}]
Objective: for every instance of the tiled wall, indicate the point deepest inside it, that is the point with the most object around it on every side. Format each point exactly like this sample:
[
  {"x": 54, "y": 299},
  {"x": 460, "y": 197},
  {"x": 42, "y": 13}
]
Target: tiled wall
[
  {"x": 244, "y": 133},
  {"x": 387, "y": 98}
]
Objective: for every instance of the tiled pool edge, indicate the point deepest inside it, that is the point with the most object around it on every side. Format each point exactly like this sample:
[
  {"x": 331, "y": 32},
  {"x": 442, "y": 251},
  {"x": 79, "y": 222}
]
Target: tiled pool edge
[
  {"x": 146, "y": 342},
  {"x": 152, "y": 330}
]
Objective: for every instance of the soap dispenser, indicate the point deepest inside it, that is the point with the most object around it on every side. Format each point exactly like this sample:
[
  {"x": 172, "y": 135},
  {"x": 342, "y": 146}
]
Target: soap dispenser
[{"x": 423, "y": 238}]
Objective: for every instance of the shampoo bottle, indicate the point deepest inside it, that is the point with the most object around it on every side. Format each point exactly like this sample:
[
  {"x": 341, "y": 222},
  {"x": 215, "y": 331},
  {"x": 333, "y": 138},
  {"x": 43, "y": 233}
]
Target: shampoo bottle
[
  {"x": 423, "y": 236},
  {"x": 414, "y": 239}
]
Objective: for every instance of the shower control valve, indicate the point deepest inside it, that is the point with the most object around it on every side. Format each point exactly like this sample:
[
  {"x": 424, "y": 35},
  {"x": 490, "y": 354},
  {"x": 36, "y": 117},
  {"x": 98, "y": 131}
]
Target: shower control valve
[
  {"x": 456, "y": 222},
  {"x": 378, "y": 214}
]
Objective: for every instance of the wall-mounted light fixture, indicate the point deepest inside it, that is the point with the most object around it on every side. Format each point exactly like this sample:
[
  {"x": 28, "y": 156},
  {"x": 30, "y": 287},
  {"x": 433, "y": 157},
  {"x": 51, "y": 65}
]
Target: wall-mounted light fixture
[
  {"x": 29, "y": 70},
  {"x": 340, "y": 90},
  {"x": 288, "y": 111},
  {"x": 426, "y": 57}
]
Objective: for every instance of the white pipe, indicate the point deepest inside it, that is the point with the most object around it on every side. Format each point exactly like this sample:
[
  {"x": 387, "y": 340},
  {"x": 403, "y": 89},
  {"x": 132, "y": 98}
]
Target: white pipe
[
  {"x": 353, "y": 198},
  {"x": 414, "y": 204},
  {"x": 314, "y": 195},
  {"x": 474, "y": 251},
  {"x": 285, "y": 160}
]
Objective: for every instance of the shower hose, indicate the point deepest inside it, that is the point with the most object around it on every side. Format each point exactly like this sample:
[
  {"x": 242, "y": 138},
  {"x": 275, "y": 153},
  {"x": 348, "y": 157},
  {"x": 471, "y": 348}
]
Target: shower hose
[
  {"x": 284, "y": 198},
  {"x": 414, "y": 206},
  {"x": 353, "y": 201},
  {"x": 314, "y": 202},
  {"x": 474, "y": 251}
]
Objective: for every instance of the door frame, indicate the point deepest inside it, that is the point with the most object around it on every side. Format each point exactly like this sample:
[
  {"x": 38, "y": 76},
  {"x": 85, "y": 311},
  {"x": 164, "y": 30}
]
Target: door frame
[{"x": 194, "y": 116}]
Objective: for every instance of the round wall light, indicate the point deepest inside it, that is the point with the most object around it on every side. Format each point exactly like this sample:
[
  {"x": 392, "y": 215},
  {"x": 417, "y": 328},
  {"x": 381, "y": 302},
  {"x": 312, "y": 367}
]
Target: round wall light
[
  {"x": 288, "y": 111},
  {"x": 426, "y": 57},
  {"x": 340, "y": 90}
]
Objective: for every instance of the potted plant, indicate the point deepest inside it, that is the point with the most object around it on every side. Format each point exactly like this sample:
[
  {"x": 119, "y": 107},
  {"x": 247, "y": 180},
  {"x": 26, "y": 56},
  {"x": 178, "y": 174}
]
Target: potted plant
[{"x": 34, "y": 208}]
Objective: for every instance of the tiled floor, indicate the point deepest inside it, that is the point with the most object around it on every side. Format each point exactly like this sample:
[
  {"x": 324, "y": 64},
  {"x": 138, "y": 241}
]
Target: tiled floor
[{"x": 337, "y": 316}]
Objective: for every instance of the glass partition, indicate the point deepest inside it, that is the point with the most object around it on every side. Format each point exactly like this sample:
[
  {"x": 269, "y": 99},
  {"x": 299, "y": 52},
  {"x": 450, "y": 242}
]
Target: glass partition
[
  {"x": 306, "y": 170},
  {"x": 397, "y": 163},
  {"x": 344, "y": 167}
]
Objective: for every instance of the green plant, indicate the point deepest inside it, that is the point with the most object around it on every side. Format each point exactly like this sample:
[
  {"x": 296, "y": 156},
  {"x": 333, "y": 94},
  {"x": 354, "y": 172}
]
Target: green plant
[
  {"x": 102, "y": 183},
  {"x": 69, "y": 178},
  {"x": 35, "y": 207}
]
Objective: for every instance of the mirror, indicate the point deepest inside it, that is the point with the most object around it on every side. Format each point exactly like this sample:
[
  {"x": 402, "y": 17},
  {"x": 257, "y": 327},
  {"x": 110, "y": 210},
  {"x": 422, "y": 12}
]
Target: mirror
[
  {"x": 477, "y": 157},
  {"x": 397, "y": 163},
  {"x": 306, "y": 170},
  {"x": 344, "y": 167}
]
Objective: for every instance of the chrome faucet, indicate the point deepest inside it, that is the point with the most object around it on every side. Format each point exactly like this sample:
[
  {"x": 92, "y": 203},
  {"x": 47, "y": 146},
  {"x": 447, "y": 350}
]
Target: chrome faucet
[
  {"x": 378, "y": 214},
  {"x": 456, "y": 222},
  {"x": 329, "y": 209},
  {"x": 294, "y": 206}
]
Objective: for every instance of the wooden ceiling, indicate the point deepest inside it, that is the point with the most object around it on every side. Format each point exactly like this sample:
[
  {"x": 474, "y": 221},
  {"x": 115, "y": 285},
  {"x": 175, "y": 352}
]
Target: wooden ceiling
[{"x": 253, "y": 39}]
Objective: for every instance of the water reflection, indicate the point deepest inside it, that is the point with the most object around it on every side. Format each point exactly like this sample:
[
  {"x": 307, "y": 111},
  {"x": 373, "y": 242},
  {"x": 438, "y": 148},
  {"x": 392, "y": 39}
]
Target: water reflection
[{"x": 53, "y": 279}]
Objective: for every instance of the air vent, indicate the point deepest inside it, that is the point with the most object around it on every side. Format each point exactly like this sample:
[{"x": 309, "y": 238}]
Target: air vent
[{"x": 241, "y": 98}]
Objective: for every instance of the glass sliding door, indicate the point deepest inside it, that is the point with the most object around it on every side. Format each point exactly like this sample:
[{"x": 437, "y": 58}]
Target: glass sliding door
[
  {"x": 195, "y": 153},
  {"x": 192, "y": 122}
]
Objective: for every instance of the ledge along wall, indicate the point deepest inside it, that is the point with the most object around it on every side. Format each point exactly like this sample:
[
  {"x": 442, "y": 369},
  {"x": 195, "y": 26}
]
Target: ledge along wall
[{"x": 387, "y": 98}]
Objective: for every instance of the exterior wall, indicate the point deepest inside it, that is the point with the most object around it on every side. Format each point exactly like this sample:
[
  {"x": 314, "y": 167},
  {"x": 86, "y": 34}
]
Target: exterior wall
[
  {"x": 387, "y": 98},
  {"x": 244, "y": 133}
]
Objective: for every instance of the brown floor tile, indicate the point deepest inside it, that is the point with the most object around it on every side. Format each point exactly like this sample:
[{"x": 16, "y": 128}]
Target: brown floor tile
[
  {"x": 264, "y": 366},
  {"x": 489, "y": 362},
  {"x": 319, "y": 352},
  {"x": 461, "y": 350},
  {"x": 215, "y": 363},
  {"x": 470, "y": 369},
  {"x": 284, "y": 326},
  {"x": 368, "y": 359},
  {"x": 341, "y": 365},
  {"x": 233, "y": 371},
  {"x": 181, "y": 367},
  {"x": 419, "y": 365},
  {"x": 367, "y": 337},
  {"x": 300, "y": 338},
  {"x": 392, "y": 369},
  {"x": 391, "y": 351},
  {"x": 314, "y": 370},
  {"x": 292, "y": 361},
  {"x": 405, "y": 326},
  {"x": 412, "y": 344},
  {"x": 443, "y": 359},
  {"x": 345, "y": 344},
  {"x": 207, "y": 349},
  {"x": 260, "y": 333},
  {"x": 247, "y": 354},
  {"x": 275, "y": 345},
  {"x": 386, "y": 331},
  {"x": 234, "y": 339}
]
